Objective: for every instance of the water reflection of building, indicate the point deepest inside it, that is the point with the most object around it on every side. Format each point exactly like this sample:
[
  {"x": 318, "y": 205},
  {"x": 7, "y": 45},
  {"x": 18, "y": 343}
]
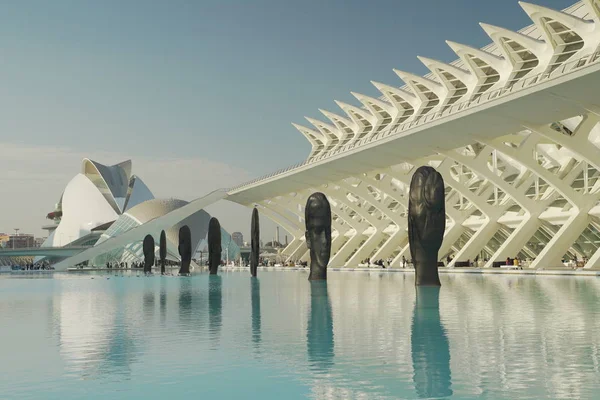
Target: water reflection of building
[
  {"x": 519, "y": 329},
  {"x": 508, "y": 336},
  {"x": 92, "y": 338}
]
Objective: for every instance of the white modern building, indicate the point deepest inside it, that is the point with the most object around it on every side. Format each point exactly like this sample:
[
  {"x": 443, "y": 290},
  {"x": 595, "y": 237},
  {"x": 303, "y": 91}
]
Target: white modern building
[
  {"x": 512, "y": 128},
  {"x": 103, "y": 202}
]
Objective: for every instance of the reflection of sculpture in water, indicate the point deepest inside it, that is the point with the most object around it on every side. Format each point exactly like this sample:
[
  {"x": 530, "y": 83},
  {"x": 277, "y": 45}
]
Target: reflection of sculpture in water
[
  {"x": 214, "y": 245},
  {"x": 163, "y": 301},
  {"x": 317, "y": 216},
  {"x": 162, "y": 251},
  {"x": 215, "y": 303},
  {"x": 429, "y": 346},
  {"x": 148, "y": 253},
  {"x": 185, "y": 249},
  {"x": 120, "y": 352},
  {"x": 255, "y": 300},
  {"x": 254, "y": 242},
  {"x": 148, "y": 303},
  {"x": 426, "y": 224},
  {"x": 319, "y": 331},
  {"x": 185, "y": 302}
]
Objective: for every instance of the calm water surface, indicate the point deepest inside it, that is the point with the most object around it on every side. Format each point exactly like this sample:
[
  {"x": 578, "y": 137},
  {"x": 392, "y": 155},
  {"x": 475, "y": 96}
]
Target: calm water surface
[{"x": 361, "y": 335}]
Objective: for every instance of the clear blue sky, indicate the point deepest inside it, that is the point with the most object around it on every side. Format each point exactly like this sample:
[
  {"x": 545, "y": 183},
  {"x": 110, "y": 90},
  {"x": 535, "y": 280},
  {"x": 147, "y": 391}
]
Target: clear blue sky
[{"x": 220, "y": 80}]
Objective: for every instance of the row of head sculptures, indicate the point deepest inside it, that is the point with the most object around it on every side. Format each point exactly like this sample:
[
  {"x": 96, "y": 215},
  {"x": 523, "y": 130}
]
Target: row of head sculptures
[
  {"x": 185, "y": 251},
  {"x": 426, "y": 226}
]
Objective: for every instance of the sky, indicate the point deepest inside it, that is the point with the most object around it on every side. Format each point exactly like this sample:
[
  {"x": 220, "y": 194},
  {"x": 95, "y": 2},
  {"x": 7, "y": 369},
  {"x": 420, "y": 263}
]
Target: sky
[{"x": 199, "y": 94}]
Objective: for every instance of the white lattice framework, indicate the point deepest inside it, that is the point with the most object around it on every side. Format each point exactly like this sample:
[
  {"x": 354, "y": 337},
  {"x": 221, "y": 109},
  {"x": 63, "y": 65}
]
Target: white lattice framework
[{"x": 518, "y": 184}]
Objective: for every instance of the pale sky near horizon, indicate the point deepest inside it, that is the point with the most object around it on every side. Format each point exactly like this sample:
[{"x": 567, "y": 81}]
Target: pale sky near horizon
[{"x": 199, "y": 94}]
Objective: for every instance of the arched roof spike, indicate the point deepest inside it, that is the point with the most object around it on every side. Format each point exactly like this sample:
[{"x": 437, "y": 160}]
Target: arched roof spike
[
  {"x": 500, "y": 64},
  {"x": 434, "y": 65},
  {"x": 340, "y": 122},
  {"x": 411, "y": 79},
  {"x": 535, "y": 12},
  {"x": 493, "y": 60},
  {"x": 397, "y": 95},
  {"x": 539, "y": 48},
  {"x": 326, "y": 129},
  {"x": 316, "y": 139},
  {"x": 349, "y": 109},
  {"x": 369, "y": 101},
  {"x": 311, "y": 135}
]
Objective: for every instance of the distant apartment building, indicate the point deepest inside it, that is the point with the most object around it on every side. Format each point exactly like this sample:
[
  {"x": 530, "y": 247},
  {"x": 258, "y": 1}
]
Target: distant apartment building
[
  {"x": 238, "y": 238},
  {"x": 20, "y": 241},
  {"x": 38, "y": 242}
]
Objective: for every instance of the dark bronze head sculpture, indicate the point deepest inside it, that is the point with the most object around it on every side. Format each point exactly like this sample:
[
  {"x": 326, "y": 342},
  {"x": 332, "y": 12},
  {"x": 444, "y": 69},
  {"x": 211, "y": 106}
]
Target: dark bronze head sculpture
[
  {"x": 426, "y": 224},
  {"x": 430, "y": 348},
  {"x": 185, "y": 249},
  {"x": 148, "y": 253},
  {"x": 214, "y": 245},
  {"x": 163, "y": 251},
  {"x": 254, "y": 242},
  {"x": 317, "y": 216}
]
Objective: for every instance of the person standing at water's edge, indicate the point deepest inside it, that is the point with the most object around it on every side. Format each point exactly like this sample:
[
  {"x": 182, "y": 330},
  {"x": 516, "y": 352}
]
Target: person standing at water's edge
[{"x": 317, "y": 215}]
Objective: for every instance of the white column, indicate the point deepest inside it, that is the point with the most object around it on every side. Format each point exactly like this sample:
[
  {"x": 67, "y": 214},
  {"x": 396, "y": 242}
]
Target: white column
[
  {"x": 516, "y": 241},
  {"x": 552, "y": 253},
  {"x": 476, "y": 242}
]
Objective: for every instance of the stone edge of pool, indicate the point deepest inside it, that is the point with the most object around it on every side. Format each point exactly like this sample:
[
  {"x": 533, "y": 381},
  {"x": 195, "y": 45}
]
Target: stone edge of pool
[
  {"x": 480, "y": 271},
  {"x": 495, "y": 271}
]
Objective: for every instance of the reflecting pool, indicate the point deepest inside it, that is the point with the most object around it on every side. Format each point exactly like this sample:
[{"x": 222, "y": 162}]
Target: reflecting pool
[{"x": 360, "y": 335}]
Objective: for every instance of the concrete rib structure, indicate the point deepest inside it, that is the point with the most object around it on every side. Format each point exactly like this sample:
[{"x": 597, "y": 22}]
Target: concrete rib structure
[{"x": 512, "y": 128}]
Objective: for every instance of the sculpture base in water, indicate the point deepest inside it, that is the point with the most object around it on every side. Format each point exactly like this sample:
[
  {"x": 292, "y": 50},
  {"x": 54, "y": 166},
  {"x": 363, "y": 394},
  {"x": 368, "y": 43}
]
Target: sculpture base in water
[
  {"x": 426, "y": 272},
  {"x": 317, "y": 273}
]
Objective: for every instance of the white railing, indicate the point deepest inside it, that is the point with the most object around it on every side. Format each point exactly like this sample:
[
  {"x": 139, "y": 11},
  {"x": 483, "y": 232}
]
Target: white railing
[{"x": 451, "y": 110}]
